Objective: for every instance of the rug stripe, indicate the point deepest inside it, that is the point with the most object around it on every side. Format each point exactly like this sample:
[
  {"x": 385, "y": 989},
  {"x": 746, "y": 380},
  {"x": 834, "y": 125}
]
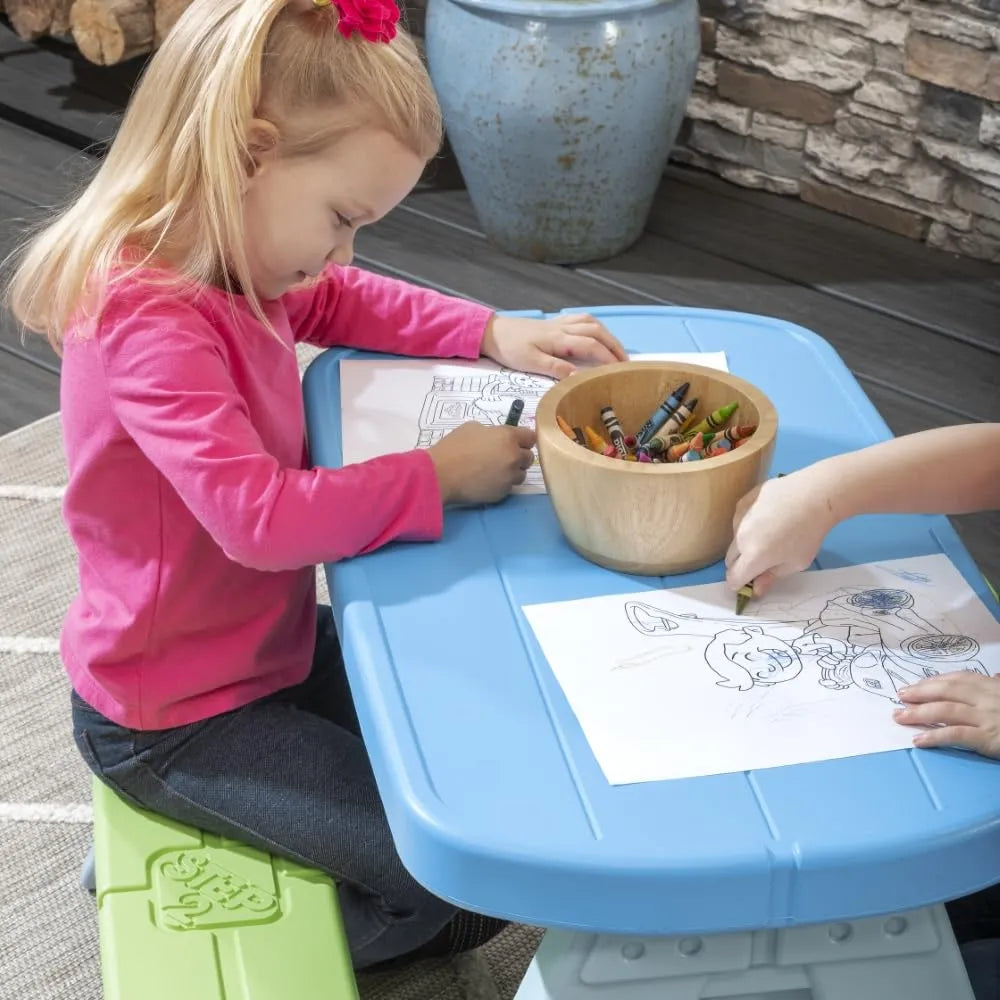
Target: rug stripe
[
  {"x": 46, "y": 812},
  {"x": 18, "y": 491},
  {"x": 28, "y": 644}
]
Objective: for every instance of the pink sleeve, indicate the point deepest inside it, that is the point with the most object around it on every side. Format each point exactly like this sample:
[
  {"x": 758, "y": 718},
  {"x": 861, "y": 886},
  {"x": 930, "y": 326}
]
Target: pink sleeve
[
  {"x": 350, "y": 307},
  {"x": 173, "y": 393}
]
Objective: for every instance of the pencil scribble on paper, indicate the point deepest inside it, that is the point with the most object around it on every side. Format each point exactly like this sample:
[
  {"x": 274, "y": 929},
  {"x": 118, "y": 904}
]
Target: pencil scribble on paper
[
  {"x": 869, "y": 638},
  {"x": 910, "y": 576}
]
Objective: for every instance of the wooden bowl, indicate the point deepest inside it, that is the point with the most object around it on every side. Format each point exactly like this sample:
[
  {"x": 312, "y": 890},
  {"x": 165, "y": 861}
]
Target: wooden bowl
[{"x": 640, "y": 517}]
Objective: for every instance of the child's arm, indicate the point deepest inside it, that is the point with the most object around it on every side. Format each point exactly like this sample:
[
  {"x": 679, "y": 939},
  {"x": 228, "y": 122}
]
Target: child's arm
[
  {"x": 779, "y": 528},
  {"x": 172, "y": 390},
  {"x": 350, "y": 307},
  {"x": 354, "y": 308}
]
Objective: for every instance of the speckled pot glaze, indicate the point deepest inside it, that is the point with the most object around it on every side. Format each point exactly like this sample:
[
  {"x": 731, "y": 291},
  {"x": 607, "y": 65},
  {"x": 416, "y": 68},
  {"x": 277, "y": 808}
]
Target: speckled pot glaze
[{"x": 562, "y": 114}]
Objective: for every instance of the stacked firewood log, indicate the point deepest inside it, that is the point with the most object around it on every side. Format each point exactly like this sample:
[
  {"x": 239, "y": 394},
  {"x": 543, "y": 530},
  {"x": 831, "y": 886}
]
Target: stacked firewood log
[{"x": 105, "y": 31}]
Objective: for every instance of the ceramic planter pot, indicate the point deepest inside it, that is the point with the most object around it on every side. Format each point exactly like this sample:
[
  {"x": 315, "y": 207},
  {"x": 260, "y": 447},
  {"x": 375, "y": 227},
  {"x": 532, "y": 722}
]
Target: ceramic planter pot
[{"x": 562, "y": 114}]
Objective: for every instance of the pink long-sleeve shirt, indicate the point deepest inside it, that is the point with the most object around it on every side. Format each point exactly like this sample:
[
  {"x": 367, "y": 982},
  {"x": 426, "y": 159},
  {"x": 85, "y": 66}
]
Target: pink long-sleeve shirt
[{"x": 196, "y": 518}]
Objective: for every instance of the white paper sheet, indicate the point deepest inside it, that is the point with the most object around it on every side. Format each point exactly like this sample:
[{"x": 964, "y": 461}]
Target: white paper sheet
[
  {"x": 396, "y": 405},
  {"x": 672, "y": 684},
  {"x": 709, "y": 359}
]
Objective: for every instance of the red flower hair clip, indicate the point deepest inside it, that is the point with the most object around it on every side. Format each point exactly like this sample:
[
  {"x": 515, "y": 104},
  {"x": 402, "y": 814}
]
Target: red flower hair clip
[{"x": 374, "y": 20}]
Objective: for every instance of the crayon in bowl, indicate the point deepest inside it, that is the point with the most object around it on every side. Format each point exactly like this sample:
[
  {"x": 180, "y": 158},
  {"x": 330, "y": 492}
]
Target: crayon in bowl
[
  {"x": 673, "y": 432},
  {"x": 651, "y": 511}
]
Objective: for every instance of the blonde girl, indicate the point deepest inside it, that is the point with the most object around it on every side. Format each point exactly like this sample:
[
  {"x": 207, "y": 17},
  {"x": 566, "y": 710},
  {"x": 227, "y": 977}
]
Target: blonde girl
[{"x": 216, "y": 234}]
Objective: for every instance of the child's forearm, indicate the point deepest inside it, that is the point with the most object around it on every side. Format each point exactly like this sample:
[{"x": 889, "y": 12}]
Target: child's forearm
[{"x": 948, "y": 470}]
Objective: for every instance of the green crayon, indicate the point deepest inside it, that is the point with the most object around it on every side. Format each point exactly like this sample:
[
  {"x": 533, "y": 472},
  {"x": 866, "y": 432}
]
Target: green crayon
[
  {"x": 659, "y": 443},
  {"x": 514, "y": 413},
  {"x": 743, "y": 596},
  {"x": 745, "y": 592},
  {"x": 714, "y": 420}
]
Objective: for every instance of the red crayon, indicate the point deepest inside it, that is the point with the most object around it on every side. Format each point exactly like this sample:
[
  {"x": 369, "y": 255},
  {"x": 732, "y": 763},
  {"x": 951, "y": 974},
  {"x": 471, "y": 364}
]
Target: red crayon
[{"x": 738, "y": 433}]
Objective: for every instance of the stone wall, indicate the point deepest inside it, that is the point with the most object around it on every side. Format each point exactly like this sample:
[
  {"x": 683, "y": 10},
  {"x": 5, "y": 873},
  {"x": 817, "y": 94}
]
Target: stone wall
[{"x": 884, "y": 110}]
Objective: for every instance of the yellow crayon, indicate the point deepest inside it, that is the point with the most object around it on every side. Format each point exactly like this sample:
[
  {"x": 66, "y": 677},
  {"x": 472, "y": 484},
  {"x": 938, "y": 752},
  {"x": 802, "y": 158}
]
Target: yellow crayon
[{"x": 594, "y": 440}]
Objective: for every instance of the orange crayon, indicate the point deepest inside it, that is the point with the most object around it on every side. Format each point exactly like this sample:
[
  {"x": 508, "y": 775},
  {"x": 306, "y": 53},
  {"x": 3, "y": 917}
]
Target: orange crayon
[
  {"x": 565, "y": 427},
  {"x": 676, "y": 451}
]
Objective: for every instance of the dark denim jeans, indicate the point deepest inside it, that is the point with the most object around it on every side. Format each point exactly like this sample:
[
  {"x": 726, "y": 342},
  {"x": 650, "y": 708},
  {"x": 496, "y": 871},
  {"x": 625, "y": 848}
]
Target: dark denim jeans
[
  {"x": 976, "y": 922},
  {"x": 289, "y": 774}
]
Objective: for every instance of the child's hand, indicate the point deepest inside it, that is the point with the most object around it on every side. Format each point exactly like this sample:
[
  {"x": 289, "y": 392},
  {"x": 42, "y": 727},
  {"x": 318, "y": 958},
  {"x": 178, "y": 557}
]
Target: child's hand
[
  {"x": 778, "y": 529},
  {"x": 550, "y": 346},
  {"x": 964, "y": 706},
  {"x": 479, "y": 464}
]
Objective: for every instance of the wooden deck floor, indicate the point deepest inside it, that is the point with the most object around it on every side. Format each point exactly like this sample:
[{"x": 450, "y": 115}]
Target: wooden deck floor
[{"x": 919, "y": 328}]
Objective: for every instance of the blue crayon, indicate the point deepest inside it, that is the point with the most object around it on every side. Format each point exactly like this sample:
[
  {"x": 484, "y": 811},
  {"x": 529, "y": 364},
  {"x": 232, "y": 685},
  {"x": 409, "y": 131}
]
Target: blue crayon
[{"x": 662, "y": 413}]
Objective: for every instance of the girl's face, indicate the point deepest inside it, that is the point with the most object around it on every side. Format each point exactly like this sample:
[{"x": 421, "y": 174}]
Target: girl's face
[{"x": 301, "y": 212}]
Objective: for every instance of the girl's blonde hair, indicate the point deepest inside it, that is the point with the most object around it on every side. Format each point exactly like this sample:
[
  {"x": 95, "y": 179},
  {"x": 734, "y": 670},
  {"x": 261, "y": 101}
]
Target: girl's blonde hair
[{"x": 171, "y": 187}]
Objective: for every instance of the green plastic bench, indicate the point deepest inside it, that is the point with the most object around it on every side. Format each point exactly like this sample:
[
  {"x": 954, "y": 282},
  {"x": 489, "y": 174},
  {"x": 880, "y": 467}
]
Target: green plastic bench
[{"x": 185, "y": 914}]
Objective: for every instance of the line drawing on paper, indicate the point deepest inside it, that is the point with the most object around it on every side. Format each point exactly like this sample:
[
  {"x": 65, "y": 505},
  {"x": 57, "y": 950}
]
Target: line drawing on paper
[
  {"x": 870, "y": 638},
  {"x": 453, "y": 400}
]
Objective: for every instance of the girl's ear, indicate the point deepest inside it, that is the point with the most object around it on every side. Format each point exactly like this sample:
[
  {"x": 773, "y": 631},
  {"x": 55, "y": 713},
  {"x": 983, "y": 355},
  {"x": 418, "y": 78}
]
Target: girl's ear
[{"x": 262, "y": 144}]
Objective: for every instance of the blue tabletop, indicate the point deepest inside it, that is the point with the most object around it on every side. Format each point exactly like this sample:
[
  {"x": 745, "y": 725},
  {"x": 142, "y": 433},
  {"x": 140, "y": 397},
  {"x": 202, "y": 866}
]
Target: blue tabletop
[{"x": 492, "y": 793}]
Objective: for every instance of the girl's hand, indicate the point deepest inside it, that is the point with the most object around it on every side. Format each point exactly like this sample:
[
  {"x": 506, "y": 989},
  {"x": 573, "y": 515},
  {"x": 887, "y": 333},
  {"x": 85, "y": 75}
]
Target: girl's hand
[
  {"x": 963, "y": 706},
  {"x": 550, "y": 347},
  {"x": 778, "y": 528},
  {"x": 478, "y": 464}
]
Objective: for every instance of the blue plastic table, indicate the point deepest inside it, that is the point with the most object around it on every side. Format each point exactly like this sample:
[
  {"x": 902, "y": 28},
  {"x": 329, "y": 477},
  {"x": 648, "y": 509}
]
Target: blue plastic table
[{"x": 733, "y": 885}]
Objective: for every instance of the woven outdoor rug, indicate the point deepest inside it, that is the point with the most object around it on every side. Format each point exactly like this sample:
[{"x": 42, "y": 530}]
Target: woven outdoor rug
[{"x": 48, "y": 924}]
